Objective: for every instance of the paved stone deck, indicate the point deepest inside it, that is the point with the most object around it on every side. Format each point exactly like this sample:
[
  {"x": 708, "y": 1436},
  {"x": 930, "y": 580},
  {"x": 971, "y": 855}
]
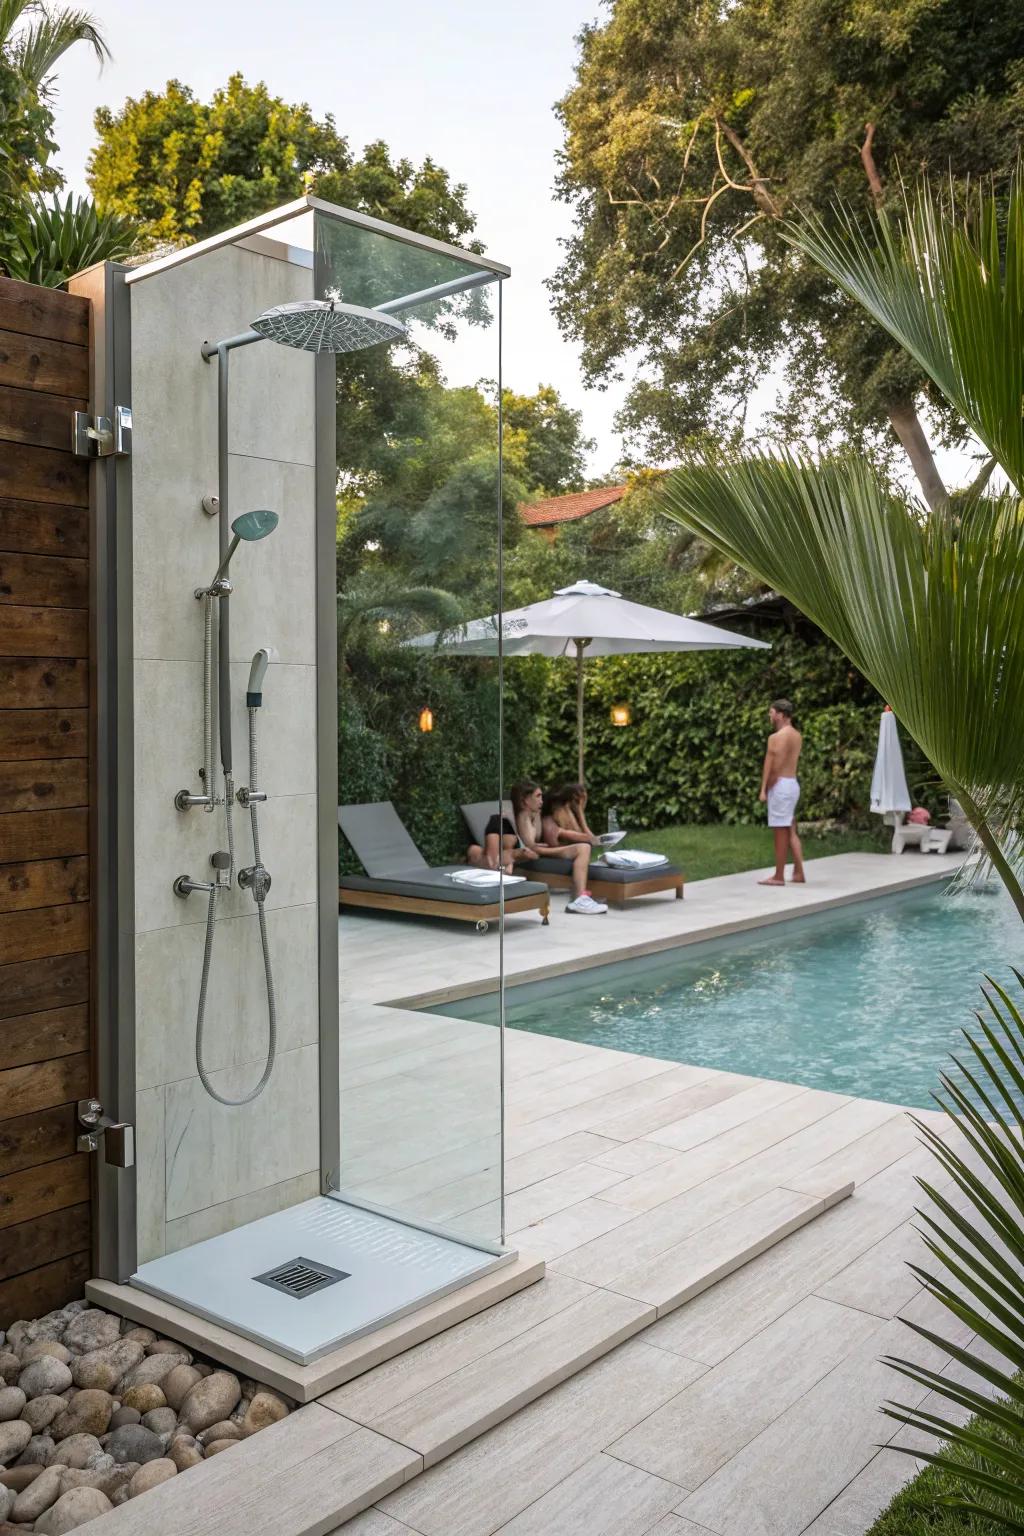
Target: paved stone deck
[{"x": 752, "y": 1410}]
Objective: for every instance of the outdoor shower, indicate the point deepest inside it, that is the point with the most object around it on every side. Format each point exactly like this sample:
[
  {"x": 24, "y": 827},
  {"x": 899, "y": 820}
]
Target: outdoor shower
[{"x": 312, "y": 325}]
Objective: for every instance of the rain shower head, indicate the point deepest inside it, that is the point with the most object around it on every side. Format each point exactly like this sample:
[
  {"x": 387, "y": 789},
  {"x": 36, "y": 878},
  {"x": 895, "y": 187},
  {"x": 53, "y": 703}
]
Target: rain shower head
[{"x": 327, "y": 325}]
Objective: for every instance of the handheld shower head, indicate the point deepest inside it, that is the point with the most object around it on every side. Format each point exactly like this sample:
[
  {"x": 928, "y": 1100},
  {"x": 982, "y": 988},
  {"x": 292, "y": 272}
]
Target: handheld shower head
[
  {"x": 327, "y": 325},
  {"x": 250, "y": 527},
  {"x": 257, "y": 672}
]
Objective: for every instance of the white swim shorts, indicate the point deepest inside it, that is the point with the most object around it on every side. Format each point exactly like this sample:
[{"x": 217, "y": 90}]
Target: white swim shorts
[{"x": 782, "y": 799}]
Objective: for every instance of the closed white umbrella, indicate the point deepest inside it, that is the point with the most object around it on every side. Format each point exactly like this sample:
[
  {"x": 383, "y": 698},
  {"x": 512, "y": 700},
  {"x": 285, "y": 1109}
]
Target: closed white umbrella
[
  {"x": 583, "y": 620},
  {"x": 889, "y": 792}
]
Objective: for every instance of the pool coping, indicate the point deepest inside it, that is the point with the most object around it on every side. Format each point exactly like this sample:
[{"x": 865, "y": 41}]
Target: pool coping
[{"x": 483, "y": 986}]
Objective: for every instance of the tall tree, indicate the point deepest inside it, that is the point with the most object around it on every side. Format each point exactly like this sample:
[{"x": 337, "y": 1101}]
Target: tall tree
[
  {"x": 694, "y": 127},
  {"x": 547, "y": 437},
  {"x": 183, "y": 169}
]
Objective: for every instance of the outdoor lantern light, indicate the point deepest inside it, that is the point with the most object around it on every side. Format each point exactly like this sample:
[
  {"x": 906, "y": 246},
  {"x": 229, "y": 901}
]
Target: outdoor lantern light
[
  {"x": 426, "y": 719},
  {"x": 621, "y": 714}
]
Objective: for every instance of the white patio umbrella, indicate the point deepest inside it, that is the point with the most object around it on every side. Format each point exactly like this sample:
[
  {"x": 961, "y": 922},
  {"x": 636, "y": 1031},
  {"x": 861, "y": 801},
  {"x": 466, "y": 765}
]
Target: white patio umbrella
[
  {"x": 583, "y": 620},
  {"x": 889, "y": 793}
]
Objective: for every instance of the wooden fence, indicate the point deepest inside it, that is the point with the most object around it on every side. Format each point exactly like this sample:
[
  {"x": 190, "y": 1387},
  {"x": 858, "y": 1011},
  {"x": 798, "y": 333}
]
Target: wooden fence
[{"x": 45, "y": 1042}]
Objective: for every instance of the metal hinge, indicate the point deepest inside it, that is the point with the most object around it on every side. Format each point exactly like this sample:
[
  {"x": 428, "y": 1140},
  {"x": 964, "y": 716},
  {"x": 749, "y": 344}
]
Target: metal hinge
[
  {"x": 97, "y": 437},
  {"x": 118, "y": 1135}
]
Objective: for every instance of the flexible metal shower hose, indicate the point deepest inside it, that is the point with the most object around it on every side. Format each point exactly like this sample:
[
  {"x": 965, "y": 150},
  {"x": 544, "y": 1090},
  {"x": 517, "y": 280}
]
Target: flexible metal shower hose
[{"x": 211, "y": 911}]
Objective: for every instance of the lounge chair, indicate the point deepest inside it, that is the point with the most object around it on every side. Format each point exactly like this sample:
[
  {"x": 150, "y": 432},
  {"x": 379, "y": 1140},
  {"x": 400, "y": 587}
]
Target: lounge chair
[
  {"x": 615, "y": 886},
  {"x": 399, "y": 879}
]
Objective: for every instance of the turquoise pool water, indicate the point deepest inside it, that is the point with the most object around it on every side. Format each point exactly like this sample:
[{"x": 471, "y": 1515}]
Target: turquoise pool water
[{"x": 867, "y": 1000}]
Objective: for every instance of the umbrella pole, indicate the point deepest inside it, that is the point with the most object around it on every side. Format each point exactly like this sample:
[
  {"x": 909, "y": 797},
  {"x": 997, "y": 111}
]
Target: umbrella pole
[{"x": 579, "y": 710}]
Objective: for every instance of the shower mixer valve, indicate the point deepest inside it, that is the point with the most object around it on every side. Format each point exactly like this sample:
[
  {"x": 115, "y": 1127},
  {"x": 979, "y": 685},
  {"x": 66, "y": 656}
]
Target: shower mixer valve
[{"x": 257, "y": 880}]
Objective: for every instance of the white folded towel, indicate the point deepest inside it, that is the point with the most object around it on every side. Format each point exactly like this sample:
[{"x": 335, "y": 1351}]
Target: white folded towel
[
  {"x": 634, "y": 858},
  {"x": 483, "y": 877}
]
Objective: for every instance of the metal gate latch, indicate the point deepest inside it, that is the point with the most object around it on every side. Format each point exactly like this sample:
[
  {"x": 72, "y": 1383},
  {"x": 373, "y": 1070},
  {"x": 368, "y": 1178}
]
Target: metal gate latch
[
  {"x": 97, "y": 437},
  {"x": 118, "y": 1135}
]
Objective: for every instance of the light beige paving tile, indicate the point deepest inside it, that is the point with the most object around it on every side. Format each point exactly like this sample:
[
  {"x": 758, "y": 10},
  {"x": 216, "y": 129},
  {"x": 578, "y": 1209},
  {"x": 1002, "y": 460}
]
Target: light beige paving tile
[
  {"x": 880, "y": 1280},
  {"x": 464, "y": 1405},
  {"x": 599, "y": 1086},
  {"x": 721, "y": 1320},
  {"x": 651, "y": 1117},
  {"x": 548, "y": 1196},
  {"x": 858, "y": 1506},
  {"x": 674, "y": 1525},
  {"x": 604, "y": 1497},
  {"x": 695, "y": 1264},
  {"x": 732, "y": 1110},
  {"x": 862, "y": 1159},
  {"x": 373, "y": 1522},
  {"x": 773, "y": 1484},
  {"x": 224, "y": 1492},
  {"x": 696, "y": 1433},
  {"x": 633, "y": 1156},
  {"x": 728, "y": 1150},
  {"x": 569, "y": 1229},
  {"x": 450, "y": 1199},
  {"x": 492, "y": 1480},
  {"x": 371, "y": 1396},
  {"x": 331, "y": 1487},
  {"x": 589, "y": 1113}
]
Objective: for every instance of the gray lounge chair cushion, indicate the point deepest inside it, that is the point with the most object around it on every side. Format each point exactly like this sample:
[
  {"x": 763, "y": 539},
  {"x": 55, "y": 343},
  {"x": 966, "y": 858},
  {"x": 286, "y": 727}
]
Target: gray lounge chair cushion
[{"x": 431, "y": 885}]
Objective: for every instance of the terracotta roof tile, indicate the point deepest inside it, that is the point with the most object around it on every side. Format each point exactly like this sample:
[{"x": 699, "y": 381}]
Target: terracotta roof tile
[{"x": 566, "y": 509}]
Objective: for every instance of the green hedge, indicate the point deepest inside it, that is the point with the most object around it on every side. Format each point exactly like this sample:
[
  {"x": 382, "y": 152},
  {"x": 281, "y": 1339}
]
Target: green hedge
[
  {"x": 694, "y": 749},
  {"x": 692, "y": 754}
]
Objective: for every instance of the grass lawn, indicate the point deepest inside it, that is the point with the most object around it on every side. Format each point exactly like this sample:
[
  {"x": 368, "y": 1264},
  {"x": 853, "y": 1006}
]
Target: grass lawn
[{"x": 727, "y": 850}]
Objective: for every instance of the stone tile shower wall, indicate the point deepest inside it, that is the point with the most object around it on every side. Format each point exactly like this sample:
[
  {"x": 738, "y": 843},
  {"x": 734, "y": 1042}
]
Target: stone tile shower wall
[{"x": 203, "y": 1168}]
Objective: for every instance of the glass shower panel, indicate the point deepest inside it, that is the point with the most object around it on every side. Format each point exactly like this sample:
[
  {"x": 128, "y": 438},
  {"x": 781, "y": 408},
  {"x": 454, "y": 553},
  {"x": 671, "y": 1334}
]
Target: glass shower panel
[{"x": 419, "y": 733}]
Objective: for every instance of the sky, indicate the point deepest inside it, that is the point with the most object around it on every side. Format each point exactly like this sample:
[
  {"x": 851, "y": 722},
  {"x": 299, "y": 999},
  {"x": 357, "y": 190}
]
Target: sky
[{"x": 473, "y": 86}]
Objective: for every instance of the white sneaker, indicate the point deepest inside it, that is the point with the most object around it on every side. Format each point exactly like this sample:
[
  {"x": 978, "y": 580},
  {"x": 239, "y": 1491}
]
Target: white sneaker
[{"x": 587, "y": 904}]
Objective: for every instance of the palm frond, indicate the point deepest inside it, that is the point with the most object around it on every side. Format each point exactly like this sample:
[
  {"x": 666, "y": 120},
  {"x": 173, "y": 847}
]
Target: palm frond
[
  {"x": 383, "y": 604},
  {"x": 980, "y": 1280},
  {"x": 930, "y": 611},
  {"x": 37, "y": 50},
  {"x": 951, "y": 292}
]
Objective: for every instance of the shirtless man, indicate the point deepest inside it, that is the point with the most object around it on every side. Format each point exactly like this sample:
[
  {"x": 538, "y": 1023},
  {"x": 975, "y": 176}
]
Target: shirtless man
[{"x": 781, "y": 789}]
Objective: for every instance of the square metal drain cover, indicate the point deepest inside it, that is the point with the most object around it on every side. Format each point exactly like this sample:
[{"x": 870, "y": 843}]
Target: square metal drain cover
[{"x": 301, "y": 1277}]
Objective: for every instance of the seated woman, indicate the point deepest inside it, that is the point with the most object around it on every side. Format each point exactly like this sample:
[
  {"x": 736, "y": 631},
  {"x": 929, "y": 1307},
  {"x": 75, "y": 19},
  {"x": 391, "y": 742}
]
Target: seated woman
[
  {"x": 566, "y": 809},
  {"x": 501, "y": 845},
  {"x": 528, "y": 804}
]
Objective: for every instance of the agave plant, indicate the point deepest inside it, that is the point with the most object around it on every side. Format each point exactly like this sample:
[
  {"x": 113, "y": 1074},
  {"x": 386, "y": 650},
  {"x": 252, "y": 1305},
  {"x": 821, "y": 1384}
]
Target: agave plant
[
  {"x": 50, "y": 242},
  {"x": 979, "y": 1249}
]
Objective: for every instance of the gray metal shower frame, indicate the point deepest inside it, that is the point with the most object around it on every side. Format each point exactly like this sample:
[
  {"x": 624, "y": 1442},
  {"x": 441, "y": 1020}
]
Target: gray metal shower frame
[{"x": 113, "y": 769}]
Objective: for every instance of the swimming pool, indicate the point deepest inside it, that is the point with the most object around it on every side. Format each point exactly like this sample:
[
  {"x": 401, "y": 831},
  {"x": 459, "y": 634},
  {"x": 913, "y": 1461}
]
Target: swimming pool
[{"x": 867, "y": 1000}]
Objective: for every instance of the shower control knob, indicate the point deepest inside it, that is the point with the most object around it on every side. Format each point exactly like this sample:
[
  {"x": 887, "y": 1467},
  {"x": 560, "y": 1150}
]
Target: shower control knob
[{"x": 220, "y": 859}]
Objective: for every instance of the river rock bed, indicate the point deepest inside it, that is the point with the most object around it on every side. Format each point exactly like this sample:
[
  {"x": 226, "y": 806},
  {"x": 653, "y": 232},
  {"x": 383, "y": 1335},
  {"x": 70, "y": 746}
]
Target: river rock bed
[{"x": 95, "y": 1410}]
